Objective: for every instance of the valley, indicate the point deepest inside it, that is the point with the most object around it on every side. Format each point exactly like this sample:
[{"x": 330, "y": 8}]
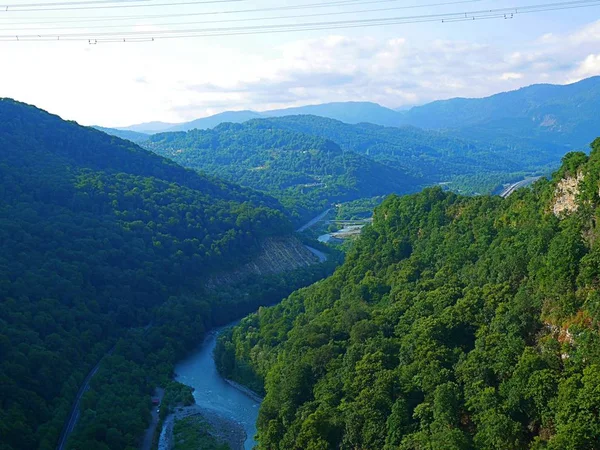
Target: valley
[
  {"x": 375, "y": 357},
  {"x": 277, "y": 151},
  {"x": 378, "y": 295}
]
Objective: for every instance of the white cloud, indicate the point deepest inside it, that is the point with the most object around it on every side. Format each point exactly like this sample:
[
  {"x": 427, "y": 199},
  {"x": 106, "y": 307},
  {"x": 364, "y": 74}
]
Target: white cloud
[
  {"x": 506, "y": 76},
  {"x": 589, "y": 66},
  {"x": 125, "y": 83},
  {"x": 398, "y": 71}
]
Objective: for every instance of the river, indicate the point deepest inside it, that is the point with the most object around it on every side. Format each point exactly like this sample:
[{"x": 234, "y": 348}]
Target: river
[
  {"x": 345, "y": 233},
  {"x": 213, "y": 393}
]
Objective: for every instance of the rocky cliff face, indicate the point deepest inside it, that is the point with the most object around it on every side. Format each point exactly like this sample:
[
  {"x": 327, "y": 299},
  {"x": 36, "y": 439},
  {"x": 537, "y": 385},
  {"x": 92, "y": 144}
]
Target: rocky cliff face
[
  {"x": 566, "y": 195},
  {"x": 277, "y": 255}
]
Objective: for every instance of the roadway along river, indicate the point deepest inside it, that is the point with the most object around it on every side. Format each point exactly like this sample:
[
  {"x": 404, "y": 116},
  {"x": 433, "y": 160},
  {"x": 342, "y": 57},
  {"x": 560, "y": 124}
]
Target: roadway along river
[{"x": 213, "y": 393}]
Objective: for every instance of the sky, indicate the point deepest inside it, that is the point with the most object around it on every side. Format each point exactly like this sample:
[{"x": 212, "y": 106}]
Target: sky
[{"x": 182, "y": 78}]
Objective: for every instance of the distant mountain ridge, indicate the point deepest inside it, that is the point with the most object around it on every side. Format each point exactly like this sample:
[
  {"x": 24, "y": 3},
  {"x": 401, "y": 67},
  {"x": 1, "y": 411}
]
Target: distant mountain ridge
[
  {"x": 148, "y": 127},
  {"x": 213, "y": 121},
  {"x": 133, "y": 136},
  {"x": 564, "y": 115},
  {"x": 349, "y": 112}
]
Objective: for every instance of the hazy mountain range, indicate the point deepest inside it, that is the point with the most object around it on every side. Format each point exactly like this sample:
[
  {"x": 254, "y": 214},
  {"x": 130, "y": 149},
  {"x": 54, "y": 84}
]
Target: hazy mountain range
[{"x": 545, "y": 113}]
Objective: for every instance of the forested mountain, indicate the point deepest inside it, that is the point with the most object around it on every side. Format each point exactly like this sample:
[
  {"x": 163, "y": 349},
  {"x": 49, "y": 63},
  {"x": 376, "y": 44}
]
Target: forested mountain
[
  {"x": 149, "y": 127},
  {"x": 305, "y": 172},
  {"x": 133, "y": 136},
  {"x": 348, "y": 112},
  {"x": 102, "y": 240},
  {"x": 428, "y": 154},
  {"x": 473, "y": 145},
  {"x": 554, "y": 114},
  {"x": 540, "y": 117},
  {"x": 433, "y": 156},
  {"x": 476, "y": 163},
  {"x": 454, "y": 323},
  {"x": 217, "y": 119}
]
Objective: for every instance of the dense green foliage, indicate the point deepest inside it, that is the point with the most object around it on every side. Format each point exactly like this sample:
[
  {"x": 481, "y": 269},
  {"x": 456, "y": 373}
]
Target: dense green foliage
[
  {"x": 470, "y": 145},
  {"x": 305, "y": 172},
  {"x": 478, "y": 143},
  {"x": 104, "y": 242},
  {"x": 120, "y": 392},
  {"x": 193, "y": 433},
  {"x": 357, "y": 209},
  {"x": 455, "y": 323},
  {"x": 429, "y": 155}
]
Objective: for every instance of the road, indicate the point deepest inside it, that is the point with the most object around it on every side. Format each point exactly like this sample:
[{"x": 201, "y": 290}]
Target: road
[
  {"x": 313, "y": 221},
  {"x": 513, "y": 187},
  {"x": 151, "y": 430},
  {"x": 322, "y": 256},
  {"x": 74, "y": 415}
]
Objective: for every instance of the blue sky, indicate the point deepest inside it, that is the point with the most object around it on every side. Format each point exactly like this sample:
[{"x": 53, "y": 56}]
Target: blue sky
[{"x": 117, "y": 84}]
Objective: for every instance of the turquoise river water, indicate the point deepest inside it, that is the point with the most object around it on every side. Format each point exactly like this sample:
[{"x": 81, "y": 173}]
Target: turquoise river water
[{"x": 213, "y": 393}]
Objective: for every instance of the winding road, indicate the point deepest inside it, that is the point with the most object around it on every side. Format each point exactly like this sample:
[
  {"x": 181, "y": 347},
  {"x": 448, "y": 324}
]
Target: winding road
[
  {"x": 322, "y": 256},
  {"x": 74, "y": 415},
  {"x": 519, "y": 184},
  {"x": 314, "y": 221}
]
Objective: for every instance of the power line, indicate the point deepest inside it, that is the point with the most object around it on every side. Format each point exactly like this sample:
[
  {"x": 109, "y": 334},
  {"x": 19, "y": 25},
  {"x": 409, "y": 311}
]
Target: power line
[
  {"x": 140, "y": 36},
  {"x": 71, "y": 8},
  {"x": 91, "y": 2},
  {"x": 250, "y": 19},
  {"x": 328, "y": 4}
]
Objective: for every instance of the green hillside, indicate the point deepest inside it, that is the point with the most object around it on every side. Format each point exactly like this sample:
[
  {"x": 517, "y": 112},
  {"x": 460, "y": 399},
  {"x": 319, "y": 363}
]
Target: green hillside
[
  {"x": 466, "y": 165},
  {"x": 455, "y": 323},
  {"x": 427, "y": 154},
  {"x": 102, "y": 240},
  {"x": 306, "y": 173},
  {"x": 555, "y": 114},
  {"x": 132, "y": 136}
]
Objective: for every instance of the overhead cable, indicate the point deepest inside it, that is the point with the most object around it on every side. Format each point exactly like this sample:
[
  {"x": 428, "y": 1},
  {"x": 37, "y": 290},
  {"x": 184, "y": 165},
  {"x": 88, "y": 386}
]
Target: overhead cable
[{"x": 499, "y": 13}]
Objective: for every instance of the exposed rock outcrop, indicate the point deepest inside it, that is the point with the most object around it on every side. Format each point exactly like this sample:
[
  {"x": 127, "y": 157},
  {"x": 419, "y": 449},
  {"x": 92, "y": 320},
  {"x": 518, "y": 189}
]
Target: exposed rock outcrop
[
  {"x": 565, "y": 200},
  {"x": 277, "y": 255}
]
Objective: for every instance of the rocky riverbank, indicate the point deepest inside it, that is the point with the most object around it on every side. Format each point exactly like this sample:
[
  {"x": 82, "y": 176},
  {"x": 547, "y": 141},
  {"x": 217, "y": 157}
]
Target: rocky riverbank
[
  {"x": 221, "y": 428},
  {"x": 249, "y": 392}
]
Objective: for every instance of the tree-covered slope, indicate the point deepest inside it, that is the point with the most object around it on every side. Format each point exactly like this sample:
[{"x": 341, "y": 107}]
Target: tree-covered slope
[
  {"x": 558, "y": 114},
  {"x": 97, "y": 235},
  {"x": 426, "y": 154},
  {"x": 305, "y": 172},
  {"x": 454, "y": 323},
  {"x": 470, "y": 165},
  {"x": 133, "y": 136}
]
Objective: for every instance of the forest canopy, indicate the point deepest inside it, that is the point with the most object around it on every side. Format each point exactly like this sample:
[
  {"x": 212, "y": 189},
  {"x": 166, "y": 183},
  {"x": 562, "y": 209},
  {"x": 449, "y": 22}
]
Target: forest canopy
[
  {"x": 306, "y": 173},
  {"x": 454, "y": 323},
  {"x": 102, "y": 243}
]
